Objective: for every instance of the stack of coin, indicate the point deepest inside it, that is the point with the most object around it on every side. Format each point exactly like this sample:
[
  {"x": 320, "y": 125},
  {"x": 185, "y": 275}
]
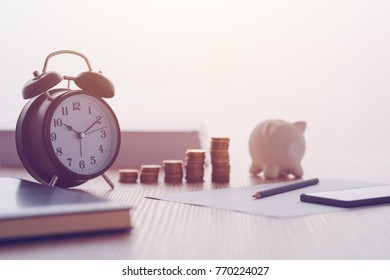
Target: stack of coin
[
  {"x": 195, "y": 159},
  {"x": 219, "y": 151},
  {"x": 149, "y": 174},
  {"x": 173, "y": 171},
  {"x": 128, "y": 175}
]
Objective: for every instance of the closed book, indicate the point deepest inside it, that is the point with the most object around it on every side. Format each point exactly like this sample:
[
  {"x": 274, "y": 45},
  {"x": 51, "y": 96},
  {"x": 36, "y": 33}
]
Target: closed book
[{"x": 30, "y": 210}]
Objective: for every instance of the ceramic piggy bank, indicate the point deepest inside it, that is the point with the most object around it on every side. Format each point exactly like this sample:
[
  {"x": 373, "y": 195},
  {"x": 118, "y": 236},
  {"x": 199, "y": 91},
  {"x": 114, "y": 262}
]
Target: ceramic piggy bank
[{"x": 277, "y": 148}]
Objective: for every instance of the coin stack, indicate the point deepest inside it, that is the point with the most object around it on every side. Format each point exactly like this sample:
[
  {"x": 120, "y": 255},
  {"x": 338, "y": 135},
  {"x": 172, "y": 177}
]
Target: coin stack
[
  {"x": 219, "y": 151},
  {"x": 195, "y": 159},
  {"x": 128, "y": 175},
  {"x": 149, "y": 174},
  {"x": 173, "y": 171}
]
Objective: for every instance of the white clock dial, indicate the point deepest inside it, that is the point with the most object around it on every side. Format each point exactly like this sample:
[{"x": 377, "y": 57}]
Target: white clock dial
[{"x": 84, "y": 134}]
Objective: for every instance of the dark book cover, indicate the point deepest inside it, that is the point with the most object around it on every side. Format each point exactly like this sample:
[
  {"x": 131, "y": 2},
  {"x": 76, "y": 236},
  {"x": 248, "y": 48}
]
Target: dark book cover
[{"x": 29, "y": 210}]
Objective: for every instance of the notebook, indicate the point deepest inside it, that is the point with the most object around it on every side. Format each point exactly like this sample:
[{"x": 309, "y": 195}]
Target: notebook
[{"x": 30, "y": 210}]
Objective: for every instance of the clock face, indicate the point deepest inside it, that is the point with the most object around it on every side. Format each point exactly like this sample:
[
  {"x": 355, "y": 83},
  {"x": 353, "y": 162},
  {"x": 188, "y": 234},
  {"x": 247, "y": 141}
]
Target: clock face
[{"x": 84, "y": 134}]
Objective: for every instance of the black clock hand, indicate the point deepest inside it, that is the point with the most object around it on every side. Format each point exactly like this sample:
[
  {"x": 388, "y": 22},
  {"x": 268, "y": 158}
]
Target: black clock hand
[
  {"x": 95, "y": 130},
  {"x": 95, "y": 122},
  {"x": 70, "y": 128}
]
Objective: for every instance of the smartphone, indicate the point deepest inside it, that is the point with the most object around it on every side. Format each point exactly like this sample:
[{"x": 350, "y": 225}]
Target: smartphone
[{"x": 350, "y": 197}]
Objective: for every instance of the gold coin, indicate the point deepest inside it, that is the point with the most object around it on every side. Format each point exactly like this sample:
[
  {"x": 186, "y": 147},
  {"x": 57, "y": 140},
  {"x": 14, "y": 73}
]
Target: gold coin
[
  {"x": 149, "y": 167},
  {"x": 223, "y": 166},
  {"x": 195, "y": 165},
  {"x": 173, "y": 166},
  {"x": 128, "y": 171},
  {"x": 128, "y": 175},
  {"x": 194, "y": 179},
  {"x": 174, "y": 162},
  {"x": 196, "y": 156},
  {"x": 173, "y": 181},
  {"x": 219, "y": 145},
  {"x": 221, "y": 152},
  {"x": 148, "y": 179},
  {"x": 152, "y": 170},
  {"x": 148, "y": 175},
  {"x": 195, "y": 151},
  {"x": 220, "y": 139},
  {"x": 220, "y": 180},
  {"x": 144, "y": 181},
  {"x": 194, "y": 174}
]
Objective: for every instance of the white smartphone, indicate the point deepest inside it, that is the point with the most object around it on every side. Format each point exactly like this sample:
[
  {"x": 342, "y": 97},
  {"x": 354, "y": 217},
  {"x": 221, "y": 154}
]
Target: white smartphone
[{"x": 350, "y": 197}]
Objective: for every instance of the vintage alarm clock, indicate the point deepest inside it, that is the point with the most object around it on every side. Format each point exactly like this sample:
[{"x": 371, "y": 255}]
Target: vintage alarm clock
[{"x": 65, "y": 137}]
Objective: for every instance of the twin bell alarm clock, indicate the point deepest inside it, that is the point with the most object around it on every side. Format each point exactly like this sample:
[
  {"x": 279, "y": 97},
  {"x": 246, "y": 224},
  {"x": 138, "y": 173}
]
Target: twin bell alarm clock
[{"x": 65, "y": 137}]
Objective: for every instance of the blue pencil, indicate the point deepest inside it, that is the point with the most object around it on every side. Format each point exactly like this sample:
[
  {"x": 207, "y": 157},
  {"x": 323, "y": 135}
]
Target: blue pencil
[{"x": 286, "y": 188}]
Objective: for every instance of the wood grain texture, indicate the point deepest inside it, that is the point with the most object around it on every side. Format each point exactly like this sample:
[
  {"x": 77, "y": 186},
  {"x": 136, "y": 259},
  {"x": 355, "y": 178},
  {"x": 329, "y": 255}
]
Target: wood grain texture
[{"x": 165, "y": 230}]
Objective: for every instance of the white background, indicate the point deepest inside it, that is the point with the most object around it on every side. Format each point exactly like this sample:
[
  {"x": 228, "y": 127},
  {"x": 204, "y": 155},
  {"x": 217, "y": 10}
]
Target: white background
[{"x": 228, "y": 64}]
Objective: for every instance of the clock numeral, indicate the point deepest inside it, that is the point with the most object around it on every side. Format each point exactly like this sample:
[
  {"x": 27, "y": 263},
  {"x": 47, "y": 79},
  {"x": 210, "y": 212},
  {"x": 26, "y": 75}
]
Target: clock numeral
[
  {"x": 57, "y": 122},
  {"x": 64, "y": 111},
  {"x": 93, "y": 160},
  {"x": 59, "y": 151},
  {"x": 100, "y": 149},
  {"x": 53, "y": 136},
  {"x": 103, "y": 133},
  {"x": 69, "y": 160},
  {"x": 76, "y": 106},
  {"x": 89, "y": 110},
  {"x": 82, "y": 164}
]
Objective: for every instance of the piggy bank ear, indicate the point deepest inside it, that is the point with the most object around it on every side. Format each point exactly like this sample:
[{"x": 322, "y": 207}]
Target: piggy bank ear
[{"x": 301, "y": 126}]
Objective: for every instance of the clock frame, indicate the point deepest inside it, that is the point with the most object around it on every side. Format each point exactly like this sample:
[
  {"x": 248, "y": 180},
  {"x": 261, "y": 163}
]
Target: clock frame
[{"x": 32, "y": 135}]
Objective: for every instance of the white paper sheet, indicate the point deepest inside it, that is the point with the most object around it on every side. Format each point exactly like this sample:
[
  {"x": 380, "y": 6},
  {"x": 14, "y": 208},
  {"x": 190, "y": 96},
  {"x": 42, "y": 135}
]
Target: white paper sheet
[{"x": 285, "y": 205}]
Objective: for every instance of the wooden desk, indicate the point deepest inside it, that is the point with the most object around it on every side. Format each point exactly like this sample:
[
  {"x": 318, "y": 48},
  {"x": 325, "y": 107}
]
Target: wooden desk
[{"x": 164, "y": 230}]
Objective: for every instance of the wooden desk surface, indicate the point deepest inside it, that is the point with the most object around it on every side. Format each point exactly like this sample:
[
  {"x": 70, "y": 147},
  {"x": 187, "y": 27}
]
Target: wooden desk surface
[{"x": 165, "y": 230}]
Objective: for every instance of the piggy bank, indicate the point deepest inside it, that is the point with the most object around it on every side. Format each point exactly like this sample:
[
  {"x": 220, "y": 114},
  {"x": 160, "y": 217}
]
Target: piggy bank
[{"x": 277, "y": 148}]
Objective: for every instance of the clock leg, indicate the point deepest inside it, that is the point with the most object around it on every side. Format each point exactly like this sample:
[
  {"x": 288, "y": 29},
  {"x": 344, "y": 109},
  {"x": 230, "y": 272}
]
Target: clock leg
[
  {"x": 53, "y": 180},
  {"x": 108, "y": 180}
]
